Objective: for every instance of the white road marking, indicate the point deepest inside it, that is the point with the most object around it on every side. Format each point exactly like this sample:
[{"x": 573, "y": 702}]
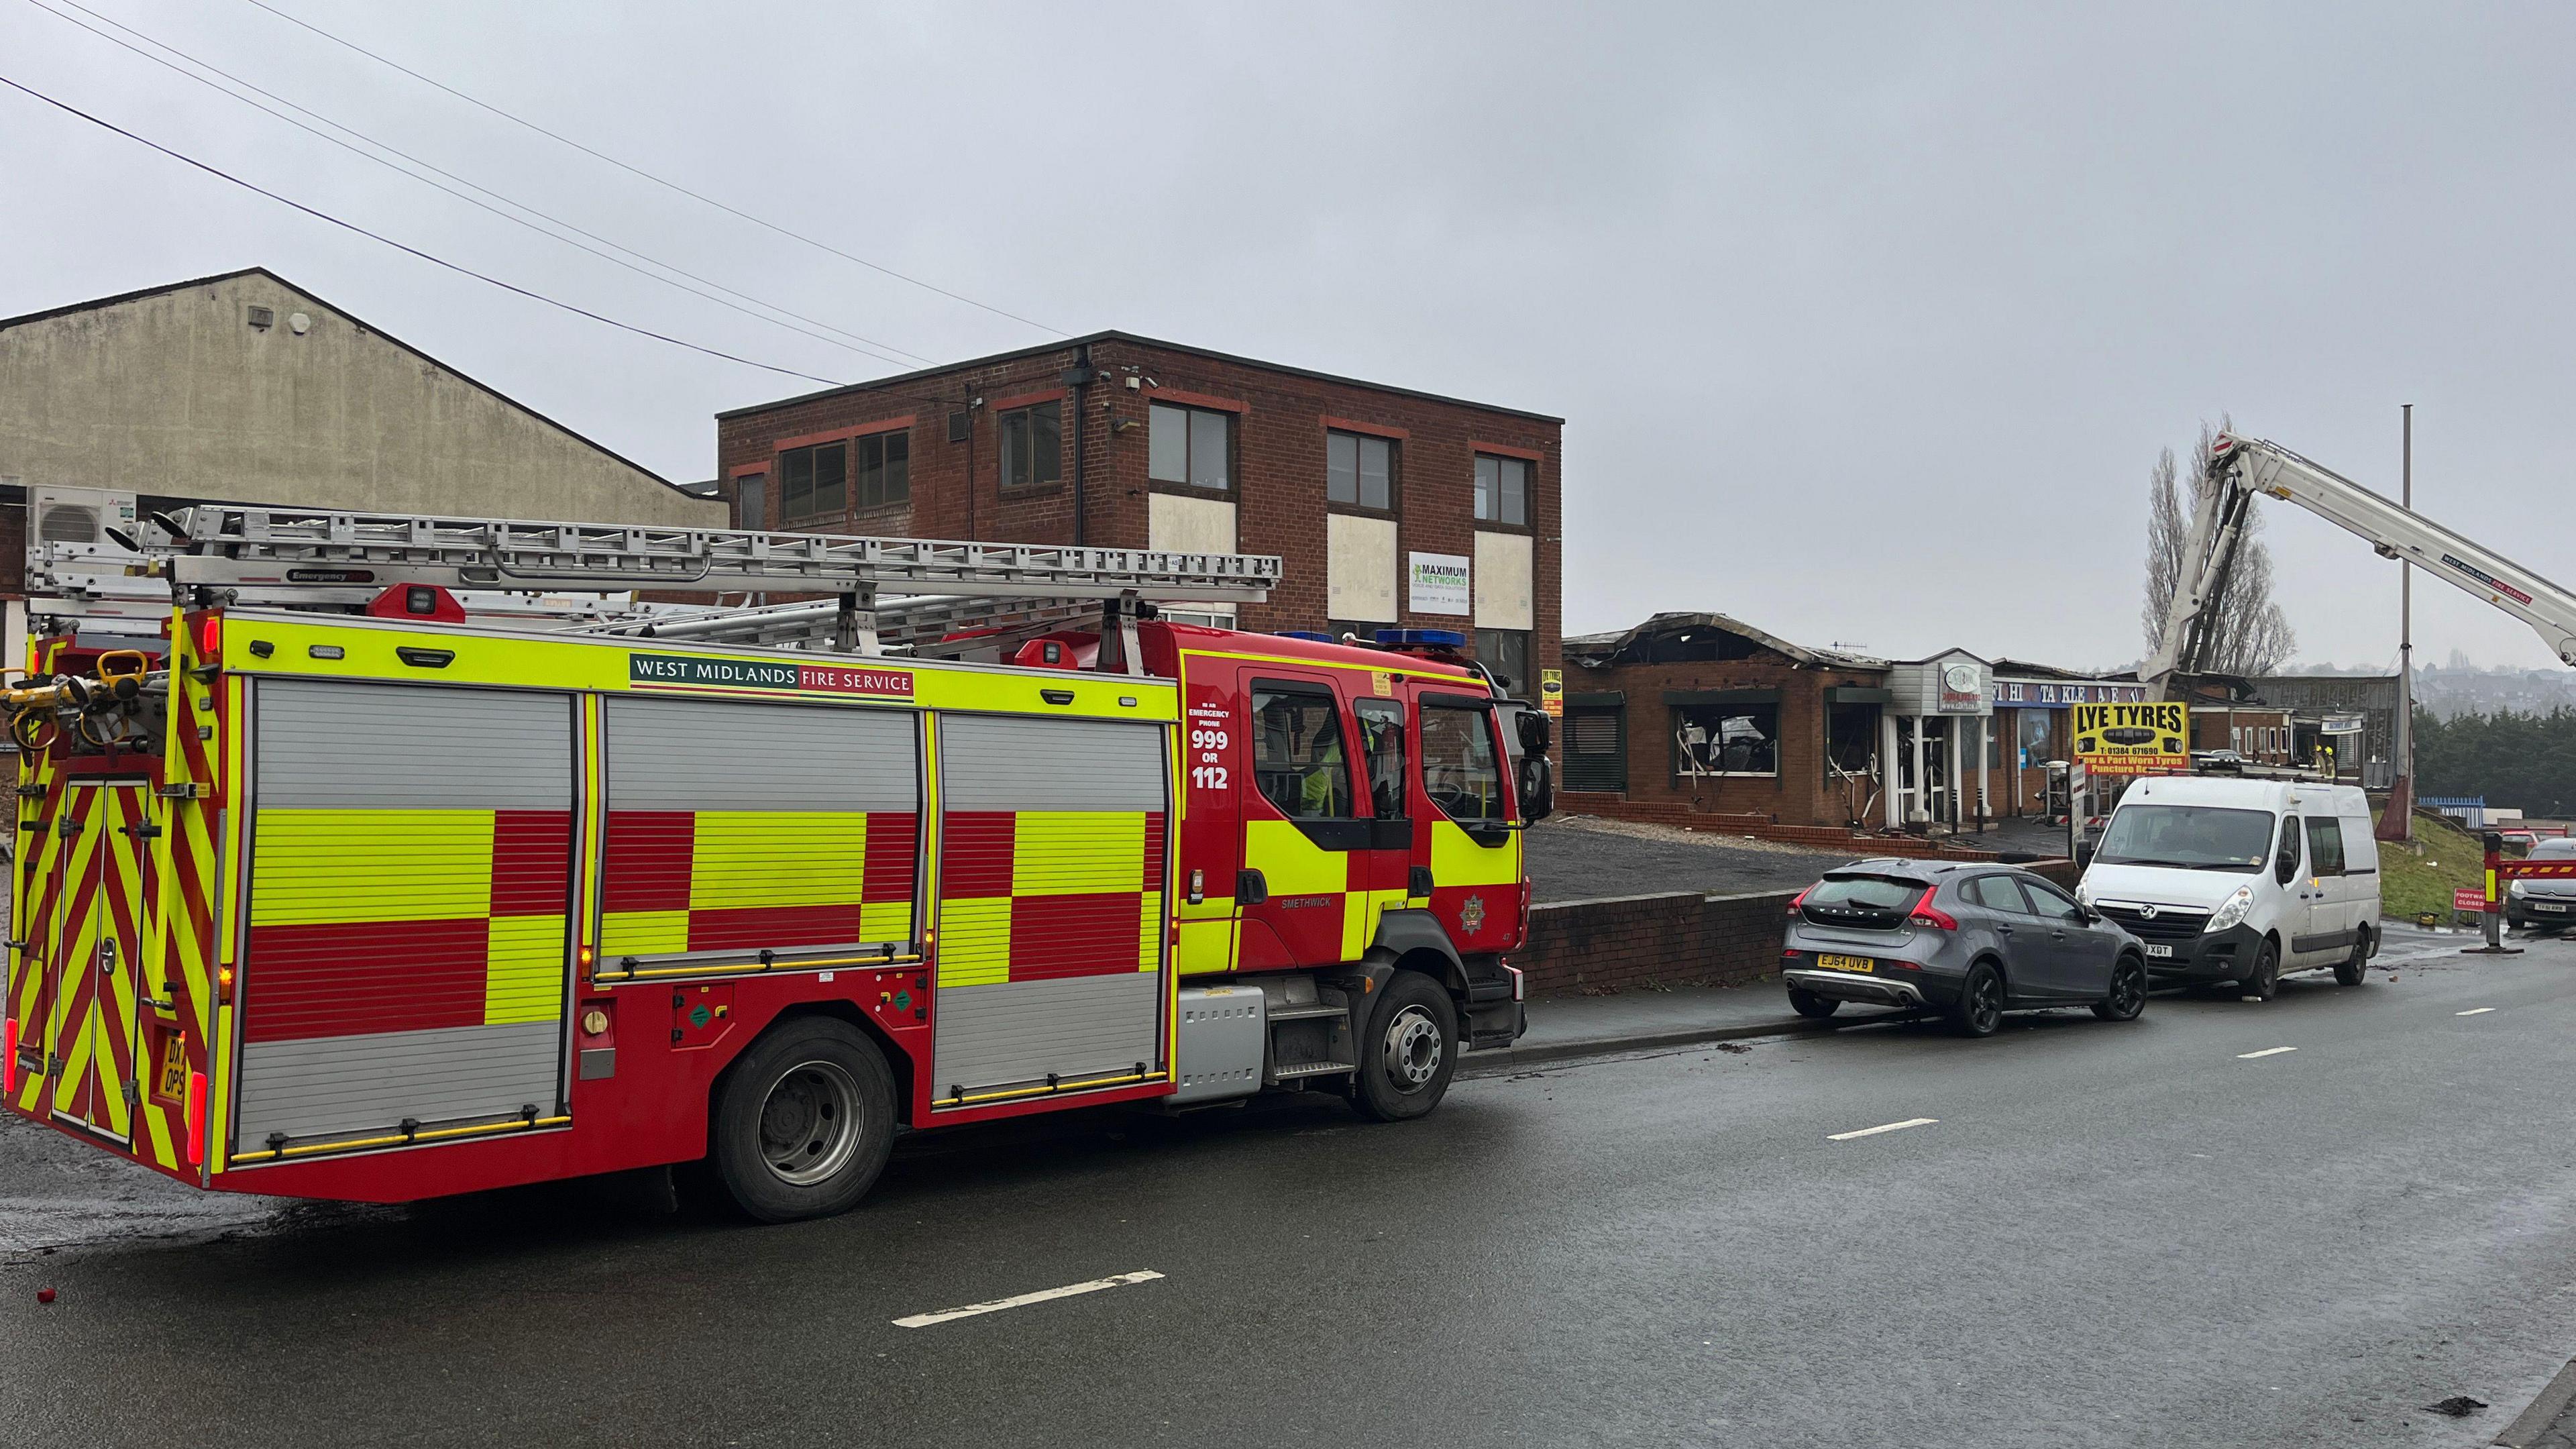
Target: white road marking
[
  {"x": 1885, "y": 1127},
  {"x": 2474, "y": 1011},
  {"x": 2265, "y": 1052},
  {"x": 925, "y": 1320}
]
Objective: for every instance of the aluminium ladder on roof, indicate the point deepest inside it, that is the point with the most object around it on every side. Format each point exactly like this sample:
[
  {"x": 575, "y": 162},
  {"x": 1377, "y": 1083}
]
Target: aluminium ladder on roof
[{"x": 266, "y": 548}]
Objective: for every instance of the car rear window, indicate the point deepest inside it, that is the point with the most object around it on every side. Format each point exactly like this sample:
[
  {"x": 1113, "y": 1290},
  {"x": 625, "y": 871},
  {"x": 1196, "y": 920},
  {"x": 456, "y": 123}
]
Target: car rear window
[{"x": 1866, "y": 892}]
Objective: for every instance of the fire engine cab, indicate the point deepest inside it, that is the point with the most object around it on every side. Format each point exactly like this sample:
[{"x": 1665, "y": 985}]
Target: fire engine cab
[{"x": 365, "y": 898}]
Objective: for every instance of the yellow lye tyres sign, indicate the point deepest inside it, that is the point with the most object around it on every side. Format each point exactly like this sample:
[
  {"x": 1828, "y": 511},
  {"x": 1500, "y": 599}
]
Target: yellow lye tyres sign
[{"x": 2133, "y": 739}]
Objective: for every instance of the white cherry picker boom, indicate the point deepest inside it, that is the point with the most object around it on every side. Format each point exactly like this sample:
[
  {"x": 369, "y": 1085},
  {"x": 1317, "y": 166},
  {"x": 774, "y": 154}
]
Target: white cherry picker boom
[{"x": 2244, "y": 467}]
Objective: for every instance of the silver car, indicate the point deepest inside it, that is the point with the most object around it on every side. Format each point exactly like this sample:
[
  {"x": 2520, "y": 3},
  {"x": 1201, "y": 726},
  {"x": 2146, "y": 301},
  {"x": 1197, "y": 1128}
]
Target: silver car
[
  {"x": 1969, "y": 941},
  {"x": 2548, "y": 901}
]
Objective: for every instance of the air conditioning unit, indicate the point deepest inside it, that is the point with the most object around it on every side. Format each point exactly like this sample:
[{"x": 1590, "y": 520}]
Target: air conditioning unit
[{"x": 70, "y": 554}]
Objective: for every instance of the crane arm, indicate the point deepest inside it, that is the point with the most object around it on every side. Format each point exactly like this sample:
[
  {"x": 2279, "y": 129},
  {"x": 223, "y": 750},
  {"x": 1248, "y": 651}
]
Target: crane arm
[{"x": 2245, "y": 467}]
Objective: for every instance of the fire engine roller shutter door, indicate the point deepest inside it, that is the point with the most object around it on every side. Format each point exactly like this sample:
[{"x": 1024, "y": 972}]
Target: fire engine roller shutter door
[
  {"x": 1051, "y": 950},
  {"x": 411, "y": 863},
  {"x": 736, "y": 827}
]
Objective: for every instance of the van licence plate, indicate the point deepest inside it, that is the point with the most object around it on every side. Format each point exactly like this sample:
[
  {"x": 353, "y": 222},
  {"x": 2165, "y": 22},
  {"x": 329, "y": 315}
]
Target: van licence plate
[
  {"x": 2544, "y": 906},
  {"x": 1847, "y": 963},
  {"x": 2160, "y": 952}
]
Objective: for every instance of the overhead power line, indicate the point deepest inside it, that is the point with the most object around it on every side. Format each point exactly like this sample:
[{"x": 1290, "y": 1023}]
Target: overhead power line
[
  {"x": 403, "y": 247},
  {"x": 629, "y": 167},
  {"x": 885, "y": 352}
]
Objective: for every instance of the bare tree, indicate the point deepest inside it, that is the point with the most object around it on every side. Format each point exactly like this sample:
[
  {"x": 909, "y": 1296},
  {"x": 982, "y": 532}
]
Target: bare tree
[{"x": 2250, "y": 633}]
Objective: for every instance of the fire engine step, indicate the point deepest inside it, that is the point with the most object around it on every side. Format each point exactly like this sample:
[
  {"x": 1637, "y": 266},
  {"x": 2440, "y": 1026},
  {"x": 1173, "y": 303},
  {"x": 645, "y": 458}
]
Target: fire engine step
[
  {"x": 1307, "y": 1011},
  {"x": 1298, "y": 1070}
]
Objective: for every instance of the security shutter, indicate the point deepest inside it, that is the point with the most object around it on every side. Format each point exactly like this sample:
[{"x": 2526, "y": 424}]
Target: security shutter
[
  {"x": 736, "y": 828},
  {"x": 1051, "y": 939},
  {"x": 410, "y": 871},
  {"x": 1596, "y": 749}
]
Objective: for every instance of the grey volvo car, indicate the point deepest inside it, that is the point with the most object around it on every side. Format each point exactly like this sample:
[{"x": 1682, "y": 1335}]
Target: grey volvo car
[{"x": 1969, "y": 941}]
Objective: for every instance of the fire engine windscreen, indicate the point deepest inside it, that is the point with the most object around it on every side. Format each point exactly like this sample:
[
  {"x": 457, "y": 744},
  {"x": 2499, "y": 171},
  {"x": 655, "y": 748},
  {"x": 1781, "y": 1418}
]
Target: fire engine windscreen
[{"x": 1459, "y": 765}]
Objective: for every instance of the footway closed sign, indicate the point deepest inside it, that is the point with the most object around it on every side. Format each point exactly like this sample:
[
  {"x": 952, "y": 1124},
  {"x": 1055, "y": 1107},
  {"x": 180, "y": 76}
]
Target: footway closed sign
[{"x": 2133, "y": 739}]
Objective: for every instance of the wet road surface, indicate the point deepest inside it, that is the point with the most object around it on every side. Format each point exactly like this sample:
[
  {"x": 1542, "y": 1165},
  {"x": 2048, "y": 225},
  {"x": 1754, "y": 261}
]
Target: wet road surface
[{"x": 2091, "y": 1233}]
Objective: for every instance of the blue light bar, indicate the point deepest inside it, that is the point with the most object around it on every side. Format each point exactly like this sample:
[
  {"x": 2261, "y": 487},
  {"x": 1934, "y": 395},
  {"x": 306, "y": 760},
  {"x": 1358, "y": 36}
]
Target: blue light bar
[
  {"x": 1309, "y": 635},
  {"x": 1421, "y": 639}
]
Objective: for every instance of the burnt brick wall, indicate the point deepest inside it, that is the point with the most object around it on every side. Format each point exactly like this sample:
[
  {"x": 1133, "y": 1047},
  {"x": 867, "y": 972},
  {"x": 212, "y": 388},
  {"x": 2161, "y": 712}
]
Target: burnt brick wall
[
  {"x": 1599, "y": 947},
  {"x": 1277, "y": 473},
  {"x": 1797, "y": 795}
]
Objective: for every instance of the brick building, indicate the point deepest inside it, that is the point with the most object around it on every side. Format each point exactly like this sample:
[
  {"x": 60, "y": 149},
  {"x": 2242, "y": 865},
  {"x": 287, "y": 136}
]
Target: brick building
[
  {"x": 1388, "y": 506},
  {"x": 1689, "y": 715}
]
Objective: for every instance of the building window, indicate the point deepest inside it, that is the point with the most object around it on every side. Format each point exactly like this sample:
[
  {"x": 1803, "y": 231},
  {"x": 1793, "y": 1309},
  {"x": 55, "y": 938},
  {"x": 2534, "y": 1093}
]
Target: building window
[
  {"x": 885, "y": 469},
  {"x": 813, "y": 482},
  {"x": 1502, "y": 489},
  {"x": 1506, "y": 652},
  {"x": 1359, "y": 470},
  {"x": 1726, "y": 739},
  {"x": 750, "y": 501},
  {"x": 1031, "y": 455},
  {"x": 1220, "y": 617},
  {"x": 1194, "y": 446}
]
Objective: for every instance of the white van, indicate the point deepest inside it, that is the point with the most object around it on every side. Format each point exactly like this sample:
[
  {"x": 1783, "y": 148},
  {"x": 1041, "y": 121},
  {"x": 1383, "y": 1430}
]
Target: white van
[{"x": 2240, "y": 880}]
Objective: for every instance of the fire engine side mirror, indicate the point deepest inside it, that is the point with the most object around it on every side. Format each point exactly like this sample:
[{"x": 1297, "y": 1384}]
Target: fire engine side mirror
[
  {"x": 1535, "y": 734},
  {"x": 1538, "y": 784}
]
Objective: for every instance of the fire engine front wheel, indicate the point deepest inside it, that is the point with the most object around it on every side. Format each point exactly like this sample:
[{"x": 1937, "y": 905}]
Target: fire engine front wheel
[
  {"x": 1408, "y": 1051},
  {"x": 804, "y": 1121}
]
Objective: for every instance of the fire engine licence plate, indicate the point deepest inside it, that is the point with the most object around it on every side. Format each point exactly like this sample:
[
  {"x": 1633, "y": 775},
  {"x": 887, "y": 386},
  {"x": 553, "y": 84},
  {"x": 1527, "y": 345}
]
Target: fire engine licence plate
[
  {"x": 1846, "y": 963},
  {"x": 2159, "y": 951}
]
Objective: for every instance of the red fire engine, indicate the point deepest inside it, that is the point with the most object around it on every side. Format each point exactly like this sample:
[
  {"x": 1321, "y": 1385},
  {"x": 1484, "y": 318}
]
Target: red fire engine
[{"x": 365, "y": 899}]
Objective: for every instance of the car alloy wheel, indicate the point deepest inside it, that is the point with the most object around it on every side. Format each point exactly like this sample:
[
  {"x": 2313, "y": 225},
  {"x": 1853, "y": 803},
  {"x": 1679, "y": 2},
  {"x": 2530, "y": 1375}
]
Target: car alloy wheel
[{"x": 2128, "y": 991}]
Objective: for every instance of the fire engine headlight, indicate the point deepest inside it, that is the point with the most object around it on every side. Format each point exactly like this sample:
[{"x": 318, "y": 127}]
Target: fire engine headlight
[{"x": 2232, "y": 914}]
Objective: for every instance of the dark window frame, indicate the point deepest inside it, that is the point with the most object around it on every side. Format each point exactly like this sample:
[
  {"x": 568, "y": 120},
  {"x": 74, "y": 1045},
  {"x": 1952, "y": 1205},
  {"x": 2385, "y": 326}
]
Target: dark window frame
[
  {"x": 1394, "y": 474},
  {"x": 1519, "y": 686},
  {"x": 891, "y": 493},
  {"x": 1725, "y": 711},
  {"x": 811, "y": 455},
  {"x": 1529, "y": 492},
  {"x": 1027, "y": 414},
  {"x": 1191, "y": 412}
]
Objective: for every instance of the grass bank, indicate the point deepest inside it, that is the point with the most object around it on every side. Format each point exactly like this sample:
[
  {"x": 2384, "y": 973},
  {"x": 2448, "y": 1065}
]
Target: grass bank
[{"x": 2421, "y": 876}]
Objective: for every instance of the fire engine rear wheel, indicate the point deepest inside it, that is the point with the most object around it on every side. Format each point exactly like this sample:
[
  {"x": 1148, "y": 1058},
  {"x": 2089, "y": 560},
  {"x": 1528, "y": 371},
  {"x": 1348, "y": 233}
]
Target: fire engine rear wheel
[
  {"x": 803, "y": 1123},
  {"x": 1408, "y": 1051}
]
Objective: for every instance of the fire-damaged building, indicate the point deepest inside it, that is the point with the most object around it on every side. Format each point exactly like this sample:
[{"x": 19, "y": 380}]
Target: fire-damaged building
[{"x": 1692, "y": 715}]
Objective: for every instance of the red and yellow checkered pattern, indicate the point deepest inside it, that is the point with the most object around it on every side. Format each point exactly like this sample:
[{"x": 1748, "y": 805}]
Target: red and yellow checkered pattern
[
  {"x": 1029, "y": 895},
  {"x": 460, "y": 923},
  {"x": 715, "y": 880}
]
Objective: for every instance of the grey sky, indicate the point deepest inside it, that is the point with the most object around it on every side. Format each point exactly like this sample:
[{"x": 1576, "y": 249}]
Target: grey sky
[{"x": 1866, "y": 323}]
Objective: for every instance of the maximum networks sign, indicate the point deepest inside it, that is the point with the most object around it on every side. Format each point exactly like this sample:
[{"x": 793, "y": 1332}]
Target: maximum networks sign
[{"x": 1437, "y": 583}]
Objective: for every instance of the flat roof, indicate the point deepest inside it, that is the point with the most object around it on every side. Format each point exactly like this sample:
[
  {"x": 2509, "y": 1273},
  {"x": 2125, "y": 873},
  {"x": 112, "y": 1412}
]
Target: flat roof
[{"x": 1042, "y": 349}]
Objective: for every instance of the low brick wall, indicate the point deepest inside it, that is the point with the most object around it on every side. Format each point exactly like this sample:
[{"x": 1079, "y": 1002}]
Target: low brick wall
[
  {"x": 1680, "y": 815},
  {"x": 1619, "y": 943}
]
